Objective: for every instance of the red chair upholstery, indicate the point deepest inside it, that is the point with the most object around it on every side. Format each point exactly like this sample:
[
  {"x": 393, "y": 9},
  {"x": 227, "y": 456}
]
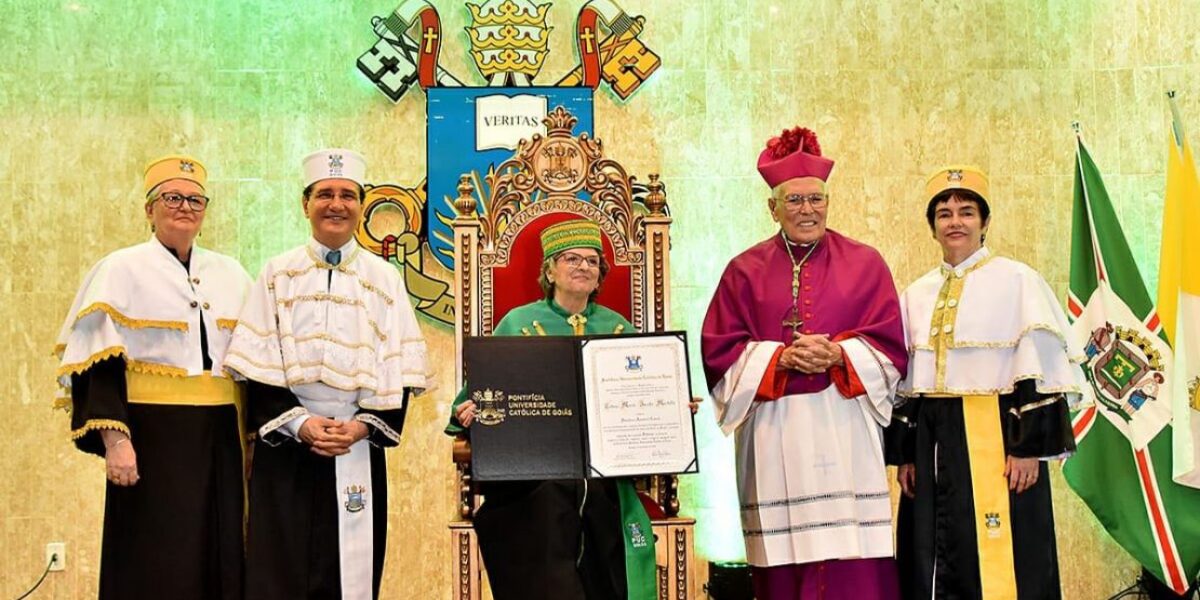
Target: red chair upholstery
[{"x": 516, "y": 283}]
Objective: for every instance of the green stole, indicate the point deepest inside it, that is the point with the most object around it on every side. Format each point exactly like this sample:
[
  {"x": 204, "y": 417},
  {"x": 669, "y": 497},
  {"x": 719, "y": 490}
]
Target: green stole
[{"x": 546, "y": 317}]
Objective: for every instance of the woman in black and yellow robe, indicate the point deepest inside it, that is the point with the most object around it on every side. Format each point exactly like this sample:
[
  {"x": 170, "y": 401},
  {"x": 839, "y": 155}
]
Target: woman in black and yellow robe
[
  {"x": 141, "y": 352},
  {"x": 984, "y": 406}
]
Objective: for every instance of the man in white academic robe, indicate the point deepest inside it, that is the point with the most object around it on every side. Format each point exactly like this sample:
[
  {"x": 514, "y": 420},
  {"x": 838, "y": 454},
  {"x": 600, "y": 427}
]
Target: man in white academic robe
[{"x": 332, "y": 351}]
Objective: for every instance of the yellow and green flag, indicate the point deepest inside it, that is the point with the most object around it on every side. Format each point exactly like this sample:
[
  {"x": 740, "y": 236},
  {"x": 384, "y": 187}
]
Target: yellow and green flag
[{"x": 1179, "y": 298}]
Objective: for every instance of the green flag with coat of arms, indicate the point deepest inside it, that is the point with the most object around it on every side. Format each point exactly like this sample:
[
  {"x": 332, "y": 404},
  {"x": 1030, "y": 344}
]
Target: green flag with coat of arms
[{"x": 1122, "y": 468}]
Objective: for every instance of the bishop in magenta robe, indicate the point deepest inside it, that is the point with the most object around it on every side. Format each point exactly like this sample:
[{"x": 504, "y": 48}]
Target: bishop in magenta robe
[{"x": 803, "y": 348}]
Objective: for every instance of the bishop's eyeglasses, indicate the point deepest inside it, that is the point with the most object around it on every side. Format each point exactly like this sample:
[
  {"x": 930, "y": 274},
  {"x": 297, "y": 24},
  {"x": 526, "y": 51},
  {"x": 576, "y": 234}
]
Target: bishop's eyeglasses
[{"x": 795, "y": 201}]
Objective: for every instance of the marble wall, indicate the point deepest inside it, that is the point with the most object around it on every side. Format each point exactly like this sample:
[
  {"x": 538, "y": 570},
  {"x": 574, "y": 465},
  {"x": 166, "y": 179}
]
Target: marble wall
[{"x": 91, "y": 89}]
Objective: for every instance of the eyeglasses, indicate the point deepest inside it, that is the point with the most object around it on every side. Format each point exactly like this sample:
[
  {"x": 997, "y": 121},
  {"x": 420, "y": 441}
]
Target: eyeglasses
[
  {"x": 795, "y": 201},
  {"x": 576, "y": 261},
  {"x": 174, "y": 201},
  {"x": 328, "y": 196}
]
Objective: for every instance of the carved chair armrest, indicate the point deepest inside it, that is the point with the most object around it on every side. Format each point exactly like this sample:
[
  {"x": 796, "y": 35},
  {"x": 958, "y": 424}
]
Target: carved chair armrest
[{"x": 461, "y": 452}]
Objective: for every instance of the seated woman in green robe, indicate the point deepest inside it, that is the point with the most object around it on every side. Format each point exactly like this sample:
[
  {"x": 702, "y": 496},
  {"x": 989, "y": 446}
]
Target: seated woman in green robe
[{"x": 563, "y": 539}]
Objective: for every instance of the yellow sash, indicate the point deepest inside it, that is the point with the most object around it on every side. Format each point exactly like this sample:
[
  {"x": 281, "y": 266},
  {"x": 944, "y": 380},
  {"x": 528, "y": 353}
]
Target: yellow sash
[
  {"x": 201, "y": 390},
  {"x": 993, "y": 526}
]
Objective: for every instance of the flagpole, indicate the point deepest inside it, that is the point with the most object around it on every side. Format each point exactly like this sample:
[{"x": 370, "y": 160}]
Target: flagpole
[
  {"x": 1101, "y": 268},
  {"x": 1176, "y": 121},
  {"x": 1136, "y": 588}
]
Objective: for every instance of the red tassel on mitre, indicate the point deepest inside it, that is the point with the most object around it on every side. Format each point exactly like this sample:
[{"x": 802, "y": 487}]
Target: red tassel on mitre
[
  {"x": 794, "y": 153},
  {"x": 791, "y": 140}
]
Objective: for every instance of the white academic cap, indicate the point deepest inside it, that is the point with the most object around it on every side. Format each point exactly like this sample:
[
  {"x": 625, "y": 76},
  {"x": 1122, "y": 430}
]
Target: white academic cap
[{"x": 335, "y": 163}]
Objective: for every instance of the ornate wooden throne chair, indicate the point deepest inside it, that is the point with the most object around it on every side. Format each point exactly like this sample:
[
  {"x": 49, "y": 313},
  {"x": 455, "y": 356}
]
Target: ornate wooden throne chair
[{"x": 497, "y": 252}]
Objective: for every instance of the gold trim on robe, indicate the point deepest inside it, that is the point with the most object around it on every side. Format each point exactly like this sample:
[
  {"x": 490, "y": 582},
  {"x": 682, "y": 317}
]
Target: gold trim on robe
[
  {"x": 98, "y": 424},
  {"x": 983, "y": 325},
  {"x": 128, "y": 321}
]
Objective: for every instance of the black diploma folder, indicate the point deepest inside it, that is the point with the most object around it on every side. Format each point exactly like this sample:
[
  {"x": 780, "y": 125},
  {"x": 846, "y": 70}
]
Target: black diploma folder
[{"x": 531, "y": 421}]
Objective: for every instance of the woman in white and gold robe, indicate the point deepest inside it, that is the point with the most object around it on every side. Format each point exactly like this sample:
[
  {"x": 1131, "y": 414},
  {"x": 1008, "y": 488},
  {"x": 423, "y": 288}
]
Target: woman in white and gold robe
[
  {"x": 985, "y": 408},
  {"x": 141, "y": 355}
]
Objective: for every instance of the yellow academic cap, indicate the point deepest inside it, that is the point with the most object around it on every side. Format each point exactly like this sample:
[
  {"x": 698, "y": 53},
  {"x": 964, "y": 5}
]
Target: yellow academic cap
[
  {"x": 174, "y": 166},
  {"x": 957, "y": 177}
]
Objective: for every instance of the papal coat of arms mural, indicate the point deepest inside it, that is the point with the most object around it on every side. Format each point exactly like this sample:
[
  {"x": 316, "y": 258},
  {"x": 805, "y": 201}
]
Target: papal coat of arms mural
[{"x": 471, "y": 130}]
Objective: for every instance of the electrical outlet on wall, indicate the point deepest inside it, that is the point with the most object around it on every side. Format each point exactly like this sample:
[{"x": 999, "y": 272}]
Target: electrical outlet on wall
[{"x": 56, "y": 555}]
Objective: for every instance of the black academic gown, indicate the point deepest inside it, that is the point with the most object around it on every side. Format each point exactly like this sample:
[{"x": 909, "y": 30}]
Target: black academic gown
[
  {"x": 553, "y": 540},
  {"x": 936, "y": 530},
  {"x": 558, "y": 539},
  {"x": 177, "y": 533},
  {"x": 292, "y": 549}
]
